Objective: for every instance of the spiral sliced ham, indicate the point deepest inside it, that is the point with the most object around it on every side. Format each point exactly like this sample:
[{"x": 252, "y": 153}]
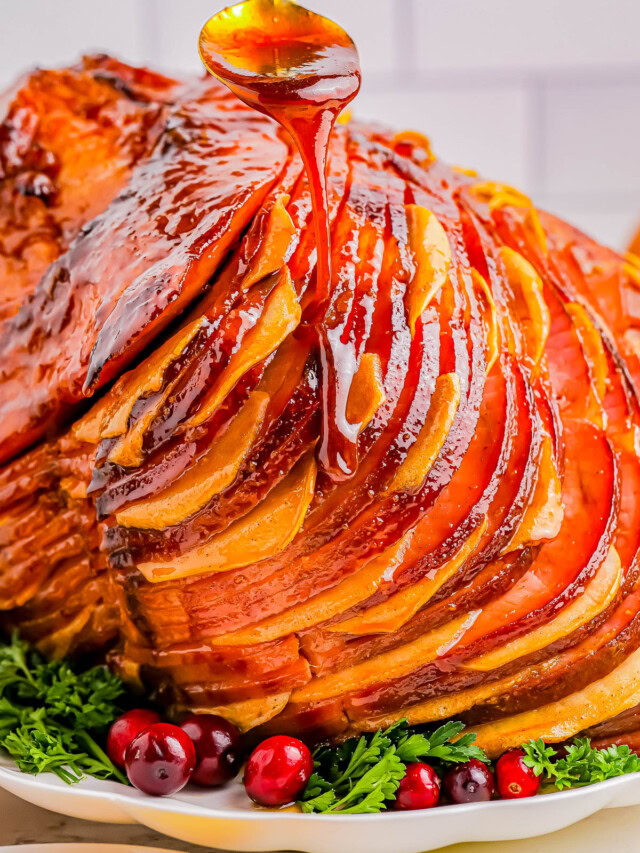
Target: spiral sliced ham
[{"x": 161, "y": 502}]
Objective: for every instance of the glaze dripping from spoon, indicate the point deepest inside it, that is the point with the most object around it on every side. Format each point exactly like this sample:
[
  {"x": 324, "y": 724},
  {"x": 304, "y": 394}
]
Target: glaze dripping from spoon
[{"x": 301, "y": 69}]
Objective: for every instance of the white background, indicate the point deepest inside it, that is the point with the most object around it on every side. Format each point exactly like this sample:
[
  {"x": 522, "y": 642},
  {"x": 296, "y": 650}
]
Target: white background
[{"x": 542, "y": 94}]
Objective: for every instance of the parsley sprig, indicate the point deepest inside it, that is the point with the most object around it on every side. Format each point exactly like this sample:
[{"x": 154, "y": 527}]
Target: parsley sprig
[
  {"x": 52, "y": 717},
  {"x": 581, "y": 764},
  {"x": 362, "y": 775}
]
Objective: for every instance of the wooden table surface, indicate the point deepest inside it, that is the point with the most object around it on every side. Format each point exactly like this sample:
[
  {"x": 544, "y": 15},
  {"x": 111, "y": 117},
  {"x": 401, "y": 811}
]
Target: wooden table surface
[{"x": 22, "y": 823}]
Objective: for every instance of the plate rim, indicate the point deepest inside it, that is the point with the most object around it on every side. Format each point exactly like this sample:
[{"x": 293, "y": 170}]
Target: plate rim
[
  {"x": 171, "y": 803},
  {"x": 227, "y": 820}
]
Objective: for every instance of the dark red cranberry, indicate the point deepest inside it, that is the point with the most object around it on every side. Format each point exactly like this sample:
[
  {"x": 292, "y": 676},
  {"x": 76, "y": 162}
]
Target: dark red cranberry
[
  {"x": 419, "y": 789},
  {"x": 217, "y": 743},
  {"x": 160, "y": 760},
  {"x": 515, "y": 779},
  {"x": 471, "y": 782},
  {"x": 125, "y": 728},
  {"x": 277, "y": 771}
]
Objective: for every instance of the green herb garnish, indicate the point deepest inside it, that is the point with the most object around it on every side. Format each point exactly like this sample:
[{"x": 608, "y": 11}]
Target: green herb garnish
[
  {"x": 53, "y": 717},
  {"x": 581, "y": 764},
  {"x": 362, "y": 775}
]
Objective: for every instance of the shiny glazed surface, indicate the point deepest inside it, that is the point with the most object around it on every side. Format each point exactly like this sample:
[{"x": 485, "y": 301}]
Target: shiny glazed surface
[
  {"x": 302, "y": 70},
  {"x": 163, "y": 500}
]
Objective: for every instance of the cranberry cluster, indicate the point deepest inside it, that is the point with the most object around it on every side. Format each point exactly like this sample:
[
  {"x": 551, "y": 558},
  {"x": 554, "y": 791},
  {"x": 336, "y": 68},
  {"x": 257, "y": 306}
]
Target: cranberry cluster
[
  {"x": 470, "y": 782},
  {"x": 161, "y": 758}
]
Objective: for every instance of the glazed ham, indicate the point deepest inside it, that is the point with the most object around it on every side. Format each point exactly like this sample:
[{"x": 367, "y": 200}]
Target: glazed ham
[{"x": 161, "y": 500}]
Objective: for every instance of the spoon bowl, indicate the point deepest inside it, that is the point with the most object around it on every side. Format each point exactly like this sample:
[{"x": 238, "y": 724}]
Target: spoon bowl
[{"x": 274, "y": 53}]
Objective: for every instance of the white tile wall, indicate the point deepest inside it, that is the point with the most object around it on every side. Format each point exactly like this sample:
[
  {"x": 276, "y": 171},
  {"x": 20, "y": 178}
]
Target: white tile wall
[
  {"x": 542, "y": 94},
  {"x": 463, "y": 124},
  {"x": 53, "y": 32},
  {"x": 505, "y": 34},
  {"x": 595, "y": 128}
]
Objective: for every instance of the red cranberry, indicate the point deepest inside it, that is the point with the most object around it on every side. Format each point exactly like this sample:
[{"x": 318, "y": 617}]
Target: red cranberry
[
  {"x": 125, "y": 728},
  {"x": 277, "y": 771},
  {"x": 419, "y": 789},
  {"x": 217, "y": 744},
  {"x": 471, "y": 782},
  {"x": 515, "y": 779},
  {"x": 160, "y": 760}
]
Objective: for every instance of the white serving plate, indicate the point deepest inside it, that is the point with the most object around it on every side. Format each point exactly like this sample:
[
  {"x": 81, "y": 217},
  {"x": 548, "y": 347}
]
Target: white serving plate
[{"x": 225, "y": 818}]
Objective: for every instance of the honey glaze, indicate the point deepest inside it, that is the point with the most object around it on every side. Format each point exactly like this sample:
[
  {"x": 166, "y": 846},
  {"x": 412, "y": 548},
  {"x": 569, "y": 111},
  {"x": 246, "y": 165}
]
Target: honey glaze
[
  {"x": 301, "y": 69},
  {"x": 181, "y": 527}
]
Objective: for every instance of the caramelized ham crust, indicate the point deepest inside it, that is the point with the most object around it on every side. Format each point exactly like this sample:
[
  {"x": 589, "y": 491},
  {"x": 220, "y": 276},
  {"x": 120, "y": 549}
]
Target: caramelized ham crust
[{"x": 161, "y": 501}]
